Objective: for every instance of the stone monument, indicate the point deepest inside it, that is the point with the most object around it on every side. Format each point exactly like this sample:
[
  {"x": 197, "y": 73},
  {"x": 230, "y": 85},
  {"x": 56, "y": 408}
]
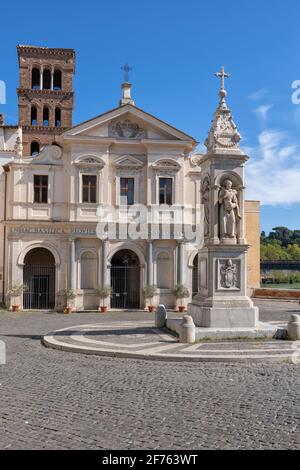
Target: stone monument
[{"x": 222, "y": 300}]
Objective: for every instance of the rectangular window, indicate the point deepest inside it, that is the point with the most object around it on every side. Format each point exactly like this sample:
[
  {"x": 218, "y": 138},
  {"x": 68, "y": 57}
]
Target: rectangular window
[
  {"x": 165, "y": 191},
  {"x": 89, "y": 188},
  {"x": 40, "y": 187},
  {"x": 127, "y": 191}
]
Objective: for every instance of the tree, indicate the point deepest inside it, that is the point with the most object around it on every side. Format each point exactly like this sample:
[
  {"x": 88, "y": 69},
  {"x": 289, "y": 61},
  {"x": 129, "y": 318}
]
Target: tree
[
  {"x": 281, "y": 244},
  {"x": 294, "y": 252}
]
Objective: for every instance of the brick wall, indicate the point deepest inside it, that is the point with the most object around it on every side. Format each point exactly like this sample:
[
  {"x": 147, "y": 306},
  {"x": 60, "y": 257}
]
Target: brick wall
[{"x": 52, "y": 59}]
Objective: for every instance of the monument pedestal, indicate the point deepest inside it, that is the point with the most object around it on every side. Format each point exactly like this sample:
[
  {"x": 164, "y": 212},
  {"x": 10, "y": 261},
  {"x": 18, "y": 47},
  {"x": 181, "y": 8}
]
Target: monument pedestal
[
  {"x": 222, "y": 301},
  {"x": 224, "y": 317}
]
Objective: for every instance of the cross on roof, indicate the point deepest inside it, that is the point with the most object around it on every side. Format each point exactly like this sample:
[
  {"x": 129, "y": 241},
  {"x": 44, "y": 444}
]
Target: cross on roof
[
  {"x": 126, "y": 68},
  {"x": 222, "y": 75}
]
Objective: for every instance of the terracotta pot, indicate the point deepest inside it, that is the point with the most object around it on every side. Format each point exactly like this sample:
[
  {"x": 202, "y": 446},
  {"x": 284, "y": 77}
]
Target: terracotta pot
[
  {"x": 68, "y": 310},
  {"x": 151, "y": 308},
  {"x": 103, "y": 308},
  {"x": 181, "y": 308},
  {"x": 16, "y": 308}
]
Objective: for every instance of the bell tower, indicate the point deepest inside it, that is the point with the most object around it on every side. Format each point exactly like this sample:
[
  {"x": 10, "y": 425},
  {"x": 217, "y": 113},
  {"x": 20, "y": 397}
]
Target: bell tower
[{"x": 45, "y": 95}]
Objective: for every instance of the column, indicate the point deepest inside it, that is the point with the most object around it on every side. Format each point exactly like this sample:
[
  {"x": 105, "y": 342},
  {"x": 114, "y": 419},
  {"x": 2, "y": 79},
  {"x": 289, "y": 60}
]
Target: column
[
  {"x": 104, "y": 271},
  {"x": 72, "y": 265},
  {"x": 150, "y": 262},
  {"x": 41, "y": 78},
  {"x": 180, "y": 269},
  {"x": 52, "y": 78}
]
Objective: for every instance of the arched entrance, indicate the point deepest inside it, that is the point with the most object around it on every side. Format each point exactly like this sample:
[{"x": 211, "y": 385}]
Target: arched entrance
[
  {"x": 125, "y": 280},
  {"x": 195, "y": 277},
  {"x": 39, "y": 277}
]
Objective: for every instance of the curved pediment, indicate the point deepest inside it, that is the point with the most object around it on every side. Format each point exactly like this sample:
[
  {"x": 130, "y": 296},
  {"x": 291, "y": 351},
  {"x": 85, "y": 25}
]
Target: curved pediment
[
  {"x": 166, "y": 164},
  {"x": 89, "y": 161}
]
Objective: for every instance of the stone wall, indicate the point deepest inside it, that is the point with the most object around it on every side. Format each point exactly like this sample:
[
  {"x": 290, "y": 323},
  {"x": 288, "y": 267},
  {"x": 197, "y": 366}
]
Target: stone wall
[{"x": 252, "y": 211}]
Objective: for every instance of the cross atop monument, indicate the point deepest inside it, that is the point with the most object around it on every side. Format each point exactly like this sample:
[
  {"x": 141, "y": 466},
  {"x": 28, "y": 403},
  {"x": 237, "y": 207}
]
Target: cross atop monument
[
  {"x": 222, "y": 75},
  {"x": 126, "y": 69}
]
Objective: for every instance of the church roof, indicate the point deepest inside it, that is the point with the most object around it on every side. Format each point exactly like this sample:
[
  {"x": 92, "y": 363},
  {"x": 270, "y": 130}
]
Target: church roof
[{"x": 129, "y": 108}]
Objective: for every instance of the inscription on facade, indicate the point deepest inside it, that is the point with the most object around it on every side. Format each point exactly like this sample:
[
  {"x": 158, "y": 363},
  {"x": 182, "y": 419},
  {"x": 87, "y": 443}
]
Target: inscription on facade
[{"x": 45, "y": 230}]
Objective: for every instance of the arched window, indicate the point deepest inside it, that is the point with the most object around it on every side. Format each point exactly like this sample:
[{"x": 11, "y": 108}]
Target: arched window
[
  {"x": 34, "y": 148},
  {"x": 57, "y": 117},
  {"x": 164, "y": 271},
  {"x": 35, "y": 79},
  {"x": 33, "y": 117},
  {"x": 46, "y": 79},
  {"x": 88, "y": 264},
  {"x": 46, "y": 116},
  {"x": 57, "y": 80}
]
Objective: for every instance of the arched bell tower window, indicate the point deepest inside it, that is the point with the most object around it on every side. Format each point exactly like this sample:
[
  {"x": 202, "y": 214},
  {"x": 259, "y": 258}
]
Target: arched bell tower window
[
  {"x": 35, "y": 79},
  {"x": 46, "y": 79},
  {"x": 34, "y": 148},
  {"x": 46, "y": 116},
  {"x": 57, "y": 80},
  {"x": 33, "y": 116},
  {"x": 57, "y": 117}
]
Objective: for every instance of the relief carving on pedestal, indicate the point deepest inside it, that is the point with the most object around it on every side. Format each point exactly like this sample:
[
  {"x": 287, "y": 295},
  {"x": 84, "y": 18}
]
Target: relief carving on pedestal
[{"x": 228, "y": 274}]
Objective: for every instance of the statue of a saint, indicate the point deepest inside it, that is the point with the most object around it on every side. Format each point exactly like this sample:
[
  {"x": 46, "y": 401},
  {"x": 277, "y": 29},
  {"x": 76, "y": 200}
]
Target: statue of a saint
[{"x": 229, "y": 210}]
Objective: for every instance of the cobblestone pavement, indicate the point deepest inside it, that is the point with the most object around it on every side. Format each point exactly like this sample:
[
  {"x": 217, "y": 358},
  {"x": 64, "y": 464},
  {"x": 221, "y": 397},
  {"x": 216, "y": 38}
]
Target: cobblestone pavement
[{"x": 57, "y": 400}]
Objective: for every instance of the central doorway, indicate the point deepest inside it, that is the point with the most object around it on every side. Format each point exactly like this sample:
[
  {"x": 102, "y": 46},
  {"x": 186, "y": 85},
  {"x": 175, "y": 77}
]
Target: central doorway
[
  {"x": 39, "y": 277},
  {"x": 125, "y": 280}
]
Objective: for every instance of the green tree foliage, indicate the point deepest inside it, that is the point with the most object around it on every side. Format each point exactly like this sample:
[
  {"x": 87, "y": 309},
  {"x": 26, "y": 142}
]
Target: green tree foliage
[{"x": 280, "y": 244}]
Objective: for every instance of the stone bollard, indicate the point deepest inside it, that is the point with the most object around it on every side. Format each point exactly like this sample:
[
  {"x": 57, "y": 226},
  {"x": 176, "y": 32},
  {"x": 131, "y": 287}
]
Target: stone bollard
[
  {"x": 294, "y": 327},
  {"x": 160, "y": 316},
  {"x": 187, "y": 332}
]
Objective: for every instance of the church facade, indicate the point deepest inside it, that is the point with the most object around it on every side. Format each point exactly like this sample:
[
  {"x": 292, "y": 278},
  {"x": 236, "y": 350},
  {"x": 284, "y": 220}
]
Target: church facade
[{"x": 114, "y": 201}]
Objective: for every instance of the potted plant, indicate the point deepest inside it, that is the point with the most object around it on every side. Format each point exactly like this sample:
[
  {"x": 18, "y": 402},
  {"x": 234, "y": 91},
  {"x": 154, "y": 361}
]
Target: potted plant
[
  {"x": 181, "y": 292},
  {"x": 68, "y": 295},
  {"x": 103, "y": 293},
  {"x": 17, "y": 290},
  {"x": 149, "y": 292}
]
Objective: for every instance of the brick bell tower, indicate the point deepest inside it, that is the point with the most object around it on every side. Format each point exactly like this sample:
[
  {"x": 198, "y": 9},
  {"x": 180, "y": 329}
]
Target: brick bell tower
[{"x": 45, "y": 95}]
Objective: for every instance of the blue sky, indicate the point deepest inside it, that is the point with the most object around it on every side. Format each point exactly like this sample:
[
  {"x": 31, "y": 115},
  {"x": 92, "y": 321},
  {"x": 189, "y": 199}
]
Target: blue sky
[{"x": 175, "y": 47}]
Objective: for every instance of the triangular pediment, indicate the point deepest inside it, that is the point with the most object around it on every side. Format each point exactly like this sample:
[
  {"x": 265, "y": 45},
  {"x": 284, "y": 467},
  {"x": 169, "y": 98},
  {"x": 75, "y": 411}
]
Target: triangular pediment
[
  {"x": 127, "y": 123},
  {"x": 128, "y": 161}
]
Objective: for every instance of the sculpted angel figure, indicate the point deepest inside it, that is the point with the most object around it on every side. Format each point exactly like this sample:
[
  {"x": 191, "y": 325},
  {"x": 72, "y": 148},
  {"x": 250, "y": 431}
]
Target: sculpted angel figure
[{"x": 229, "y": 210}]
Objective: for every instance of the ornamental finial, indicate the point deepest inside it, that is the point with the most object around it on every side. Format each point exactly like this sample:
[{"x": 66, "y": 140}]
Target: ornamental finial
[
  {"x": 222, "y": 75},
  {"x": 126, "y": 69}
]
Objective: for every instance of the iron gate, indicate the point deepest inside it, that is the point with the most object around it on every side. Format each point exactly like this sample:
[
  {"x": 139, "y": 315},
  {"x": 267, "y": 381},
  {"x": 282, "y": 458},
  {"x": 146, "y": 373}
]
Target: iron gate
[
  {"x": 40, "y": 282},
  {"x": 125, "y": 281}
]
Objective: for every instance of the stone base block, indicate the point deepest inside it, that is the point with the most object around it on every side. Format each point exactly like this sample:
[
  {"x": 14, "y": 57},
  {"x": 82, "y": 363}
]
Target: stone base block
[
  {"x": 262, "y": 331},
  {"x": 224, "y": 317}
]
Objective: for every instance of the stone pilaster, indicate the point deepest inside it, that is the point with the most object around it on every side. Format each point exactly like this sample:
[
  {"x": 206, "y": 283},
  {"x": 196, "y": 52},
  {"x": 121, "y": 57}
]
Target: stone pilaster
[
  {"x": 72, "y": 265},
  {"x": 104, "y": 270},
  {"x": 150, "y": 262},
  {"x": 180, "y": 268}
]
